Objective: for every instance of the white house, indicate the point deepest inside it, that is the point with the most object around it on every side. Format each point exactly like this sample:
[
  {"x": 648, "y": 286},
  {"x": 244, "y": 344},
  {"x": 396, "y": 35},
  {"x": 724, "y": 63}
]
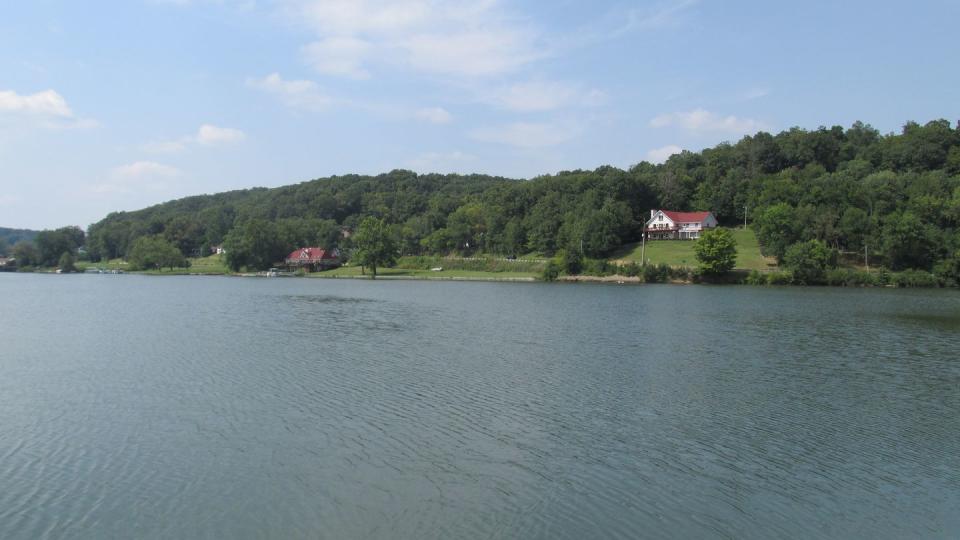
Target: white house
[{"x": 670, "y": 225}]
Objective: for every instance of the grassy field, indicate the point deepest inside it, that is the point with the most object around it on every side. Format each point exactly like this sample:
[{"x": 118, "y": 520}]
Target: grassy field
[
  {"x": 403, "y": 273},
  {"x": 202, "y": 265},
  {"x": 680, "y": 252}
]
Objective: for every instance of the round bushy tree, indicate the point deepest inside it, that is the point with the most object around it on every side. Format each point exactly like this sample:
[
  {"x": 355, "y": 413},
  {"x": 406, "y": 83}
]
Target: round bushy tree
[
  {"x": 374, "y": 245},
  {"x": 66, "y": 263},
  {"x": 716, "y": 251},
  {"x": 809, "y": 261}
]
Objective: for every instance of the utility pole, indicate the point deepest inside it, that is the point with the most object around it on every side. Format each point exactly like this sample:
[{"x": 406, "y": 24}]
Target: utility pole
[
  {"x": 643, "y": 246},
  {"x": 744, "y": 217},
  {"x": 866, "y": 259}
]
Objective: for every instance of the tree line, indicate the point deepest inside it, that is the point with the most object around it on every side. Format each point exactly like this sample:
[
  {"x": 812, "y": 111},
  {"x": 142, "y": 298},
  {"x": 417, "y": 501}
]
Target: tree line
[{"x": 891, "y": 199}]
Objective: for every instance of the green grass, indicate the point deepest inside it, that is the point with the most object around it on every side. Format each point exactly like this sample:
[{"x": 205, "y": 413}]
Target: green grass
[
  {"x": 354, "y": 272},
  {"x": 208, "y": 265},
  {"x": 202, "y": 265},
  {"x": 680, "y": 252}
]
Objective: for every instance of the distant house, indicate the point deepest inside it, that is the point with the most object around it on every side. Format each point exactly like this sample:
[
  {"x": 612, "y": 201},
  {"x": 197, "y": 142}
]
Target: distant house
[
  {"x": 314, "y": 258},
  {"x": 217, "y": 250},
  {"x": 671, "y": 225},
  {"x": 5, "y": 261}
]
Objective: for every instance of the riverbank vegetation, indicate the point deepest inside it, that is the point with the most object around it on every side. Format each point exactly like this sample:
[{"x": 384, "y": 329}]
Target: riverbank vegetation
[{"x": 869, "y": 200}]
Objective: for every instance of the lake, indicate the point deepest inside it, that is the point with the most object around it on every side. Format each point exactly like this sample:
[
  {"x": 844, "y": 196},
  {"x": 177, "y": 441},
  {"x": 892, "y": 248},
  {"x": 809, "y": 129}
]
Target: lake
[{"x": 215, "y": 407}]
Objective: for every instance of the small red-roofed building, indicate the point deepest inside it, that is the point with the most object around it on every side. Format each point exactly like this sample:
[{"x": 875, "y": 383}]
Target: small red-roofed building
[
  {"x": 672, "y": 225},
  {"x": 313, "y": 258}
]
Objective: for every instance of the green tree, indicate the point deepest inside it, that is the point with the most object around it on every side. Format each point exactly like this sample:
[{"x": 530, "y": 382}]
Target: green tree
[
  {"x": 809, "y": 261},
  {"x": 776, "y": 229},
  {"x": 66, "y": 263},
  {"x": 26, "y": 254},
  {"x": 571, "y": 261},
  {"x": 374, "y": 245},
  {"x": 4, "y": 247},
  {"x": 949, "y": 269},
  {"x": 716, "y": 251},
  {"x": 909, "y": 242},
  {"x": 52, "y": 244},
  {"x": 153, "y": 253},
  {"x": 256, "y": 245}
]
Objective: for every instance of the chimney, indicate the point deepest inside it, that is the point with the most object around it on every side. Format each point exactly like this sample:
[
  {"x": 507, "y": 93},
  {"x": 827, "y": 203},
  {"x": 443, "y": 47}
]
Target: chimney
[{"x": 653, "y": 213}]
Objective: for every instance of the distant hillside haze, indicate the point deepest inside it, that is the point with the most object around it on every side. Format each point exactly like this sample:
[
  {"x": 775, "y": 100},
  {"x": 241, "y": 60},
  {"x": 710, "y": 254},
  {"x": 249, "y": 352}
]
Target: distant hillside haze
[
  {"x": 10, "y": 237},
  {"x": 896, "y": 197}
]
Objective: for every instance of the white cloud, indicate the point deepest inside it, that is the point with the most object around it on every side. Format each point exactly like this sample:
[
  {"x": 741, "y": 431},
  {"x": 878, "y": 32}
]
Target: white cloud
[
  {"x": 136, "y": 176},
  {"x": 527, "y": 134},
  {"x": 345, "y": 17},
  {"x": 434, "y": 115},
  {"x": 297, "y": 93},
  {"x": 206, "y": 135},
  {"x": 165, "y": 147},
  {"x": 47, "y": 109},
  {"x": 472, "y": 53},
  {"x": 756, "y": 93},
  {"x": 46, "y": 103},
  {"x": 460, "y": 38},
  {"x": 659, "y": 155},
  {"x": 144, "y": 169},
  {"x": 339, "y": 55},
  {"x": 703, "y": 121},
  {"x": 209, "y": 135},
  {"x": 533, "y": 96}
]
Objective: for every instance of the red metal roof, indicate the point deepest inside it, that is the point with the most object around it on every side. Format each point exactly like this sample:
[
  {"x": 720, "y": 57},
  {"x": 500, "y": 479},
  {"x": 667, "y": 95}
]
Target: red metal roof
[
  {"x": 686, "y": 217},
  {"x": 311, "y": 254}
]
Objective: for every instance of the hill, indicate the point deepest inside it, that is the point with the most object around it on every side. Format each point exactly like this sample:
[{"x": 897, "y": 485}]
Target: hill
[
  {"x": 895, "y": 197},
  {"x": 9, "y": 238},
  {"x": 680, "y": 252}
]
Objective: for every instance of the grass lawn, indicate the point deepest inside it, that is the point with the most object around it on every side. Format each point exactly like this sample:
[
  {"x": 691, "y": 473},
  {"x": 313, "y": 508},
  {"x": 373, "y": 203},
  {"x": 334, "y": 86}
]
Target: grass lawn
[
  {"x": 354, "y": 271},
  {"x": 208, "y": 265},
  {"x": 202, "y": 265},
  {"x": 680, "y": 252}
]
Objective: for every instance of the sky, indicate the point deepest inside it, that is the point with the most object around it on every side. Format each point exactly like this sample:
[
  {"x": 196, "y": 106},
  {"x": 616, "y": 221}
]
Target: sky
[{"x": 118, "y": 105}]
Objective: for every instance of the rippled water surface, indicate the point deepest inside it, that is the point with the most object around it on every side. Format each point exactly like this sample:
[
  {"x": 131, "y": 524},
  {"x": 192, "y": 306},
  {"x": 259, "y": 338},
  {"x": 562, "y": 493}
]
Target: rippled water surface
[{"x": 192, "y": 407}]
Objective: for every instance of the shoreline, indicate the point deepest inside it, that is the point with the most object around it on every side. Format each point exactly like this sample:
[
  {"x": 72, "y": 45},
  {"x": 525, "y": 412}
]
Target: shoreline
[{"x": 606, "y": 280}]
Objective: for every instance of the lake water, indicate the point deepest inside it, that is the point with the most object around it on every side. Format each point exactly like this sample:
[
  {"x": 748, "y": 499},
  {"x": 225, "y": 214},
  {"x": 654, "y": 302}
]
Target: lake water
[{"x": 211, "y": 407}]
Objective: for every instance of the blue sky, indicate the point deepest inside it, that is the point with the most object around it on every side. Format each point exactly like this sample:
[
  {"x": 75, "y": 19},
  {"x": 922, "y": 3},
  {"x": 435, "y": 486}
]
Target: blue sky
[{"x": 116, "y": 105}]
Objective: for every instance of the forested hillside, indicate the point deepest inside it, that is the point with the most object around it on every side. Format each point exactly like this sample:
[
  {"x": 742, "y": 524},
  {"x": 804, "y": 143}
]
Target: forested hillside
[
  {"x": 9, "y": 237},
  {"x": 896, "y": 196}
]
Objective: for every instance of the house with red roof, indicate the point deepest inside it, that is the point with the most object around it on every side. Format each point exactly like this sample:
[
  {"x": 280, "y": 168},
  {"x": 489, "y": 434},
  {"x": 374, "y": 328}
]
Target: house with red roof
[
  {"x": 313, "y": 258},
  {"x": 672, "y": 225}
]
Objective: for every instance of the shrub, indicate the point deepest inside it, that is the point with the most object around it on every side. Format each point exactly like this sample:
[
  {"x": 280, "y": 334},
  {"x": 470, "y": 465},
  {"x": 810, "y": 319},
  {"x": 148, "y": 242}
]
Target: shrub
[
  {"x": 846, "y": 277},
  {"x": 598, "y": 267},
  {"x": 883, "y": 277},
  {"x": 551, "y": 271},
  {"x": 716, "y": 251},
  {"x": 755, "y": 278},
  {"x": 656, "y": 273},
  {"x": 631, "y": 269},
  {"x": 571, "y": 261},
  {"x": 809, "y": 261},
  {"x": 779, "y": 278},
  {"x": 915, "y": 278},
  {"x": 682, "y": 273}
]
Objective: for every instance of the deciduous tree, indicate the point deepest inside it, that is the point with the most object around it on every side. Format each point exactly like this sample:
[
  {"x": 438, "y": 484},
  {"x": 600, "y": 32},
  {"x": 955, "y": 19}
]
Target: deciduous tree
[
  {"x": 716, "y": 251},
  {"x": 374, "y": 245}
]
